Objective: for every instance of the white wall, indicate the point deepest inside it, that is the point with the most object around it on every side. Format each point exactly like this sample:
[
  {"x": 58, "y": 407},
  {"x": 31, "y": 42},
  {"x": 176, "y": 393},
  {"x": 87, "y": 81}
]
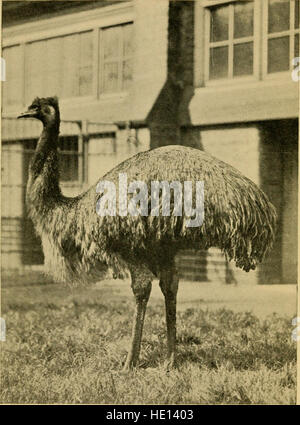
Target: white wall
[{"x": 238, "y": 147}]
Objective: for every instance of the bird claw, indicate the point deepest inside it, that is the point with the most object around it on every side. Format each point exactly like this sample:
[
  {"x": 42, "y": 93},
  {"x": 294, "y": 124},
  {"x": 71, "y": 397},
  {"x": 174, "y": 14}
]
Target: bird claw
[{"x": 170, "y": 364}]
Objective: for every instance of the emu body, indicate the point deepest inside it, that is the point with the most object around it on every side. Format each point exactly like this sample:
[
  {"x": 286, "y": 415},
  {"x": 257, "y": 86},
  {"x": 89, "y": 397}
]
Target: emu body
[{"x": 79, "y": 244}]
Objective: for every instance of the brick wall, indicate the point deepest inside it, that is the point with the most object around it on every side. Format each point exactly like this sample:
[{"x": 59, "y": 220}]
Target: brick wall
[{"x": 19, "y": 245}]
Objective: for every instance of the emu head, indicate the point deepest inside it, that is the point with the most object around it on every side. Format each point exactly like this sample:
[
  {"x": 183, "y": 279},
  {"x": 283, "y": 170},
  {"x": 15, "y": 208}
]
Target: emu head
[{"x": 44, "y": 109}]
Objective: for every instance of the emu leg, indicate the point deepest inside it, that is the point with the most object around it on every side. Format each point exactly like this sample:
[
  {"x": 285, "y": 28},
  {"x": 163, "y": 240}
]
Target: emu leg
[
  {"x": 169, "y": 285},
  {"x": 141, "y": 286}
]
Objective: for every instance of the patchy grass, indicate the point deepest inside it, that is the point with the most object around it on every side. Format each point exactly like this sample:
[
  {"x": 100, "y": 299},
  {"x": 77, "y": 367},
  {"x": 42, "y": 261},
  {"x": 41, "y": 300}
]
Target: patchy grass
[{"x": 68, "y": 345}]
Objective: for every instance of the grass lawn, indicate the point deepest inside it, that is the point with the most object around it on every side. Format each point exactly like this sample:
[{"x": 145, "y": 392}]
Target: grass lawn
[{"x": 68, "y": 345}]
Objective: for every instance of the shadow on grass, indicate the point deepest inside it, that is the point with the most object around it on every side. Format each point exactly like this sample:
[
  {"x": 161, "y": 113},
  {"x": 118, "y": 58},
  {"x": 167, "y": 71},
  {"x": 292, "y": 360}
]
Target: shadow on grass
[{"x": 212, "y": 338}]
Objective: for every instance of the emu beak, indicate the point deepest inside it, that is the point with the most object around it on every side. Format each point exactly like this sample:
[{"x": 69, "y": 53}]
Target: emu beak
[{"x": 30, "y": 113}]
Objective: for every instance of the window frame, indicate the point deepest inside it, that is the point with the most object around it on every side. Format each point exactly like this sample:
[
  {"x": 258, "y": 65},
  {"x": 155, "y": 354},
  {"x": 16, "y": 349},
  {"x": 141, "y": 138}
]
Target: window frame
[
  {"x": 106, "y": 94},
  {"x": 291, "y": 32},
  {"x": 260, "y": 45},
  {"x": 77, "y": 153},
  {"x": 206, "y": 5},
  {"x": 70, "y": 99},
  {"x": 71, "y": 23}
]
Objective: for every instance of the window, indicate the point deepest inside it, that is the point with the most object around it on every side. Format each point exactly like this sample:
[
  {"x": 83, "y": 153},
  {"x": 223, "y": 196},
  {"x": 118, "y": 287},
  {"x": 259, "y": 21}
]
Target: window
[
  {"x": 68, "y": 159},
  {"x": 230, "y": 31},
  {"x": 249, "y": 39},
  {"x": 282, "y": 34},
  {"x": 61, "y": 65},
  {"x": 116, "y": 51},
  {"x": 67, "y": 62}
]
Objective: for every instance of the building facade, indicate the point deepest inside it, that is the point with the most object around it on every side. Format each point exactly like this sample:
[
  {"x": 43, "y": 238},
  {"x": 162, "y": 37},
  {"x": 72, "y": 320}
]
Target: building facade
[{"x": 134, "y": 75}]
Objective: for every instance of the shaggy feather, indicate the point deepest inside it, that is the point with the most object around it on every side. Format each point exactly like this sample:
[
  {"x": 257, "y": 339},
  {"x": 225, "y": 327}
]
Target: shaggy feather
[{"x": 78, "y": 244}]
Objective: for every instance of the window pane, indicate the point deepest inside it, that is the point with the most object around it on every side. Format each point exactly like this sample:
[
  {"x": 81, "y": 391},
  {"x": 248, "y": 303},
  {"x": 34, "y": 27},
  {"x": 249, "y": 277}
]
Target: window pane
[
  {"x": 36, "y": 69},
  {"x": 111, "y": 42},
  {"x": 85, "y": 81},
  {"x": 127, "y": 40},
  {"x": 54, "y": 66},
  {"x": 243, "y": 59},
  {"x": 127, "y": 73},
  {"x": 110, "y": 82},
  {"x": 297, "y": 51},
  {"x": 297, "y": 14},
  {"x": 70, "y": 87},
  {"x": 243, "y": 19},
  {"x": 218, "y": 63},
  {"x": 117, "y": 48},
  {"x": 68, "y": 161},
  {"x": 60, "y": 66},
  {"x": 279, "y": 15},
  {"x": 68, "y": 144},
  {"x": 85, "y": 64},
  {"x": 278, "y": 54},
  {"x": 219, "y": 23},
  {"x": 68, "y": 165}
]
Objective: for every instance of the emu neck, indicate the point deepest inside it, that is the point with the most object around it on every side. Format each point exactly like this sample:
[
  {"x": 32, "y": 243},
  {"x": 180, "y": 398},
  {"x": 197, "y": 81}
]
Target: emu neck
[
  {"x": 46, "y": 146},
  {"x": 43, "y": 185}
]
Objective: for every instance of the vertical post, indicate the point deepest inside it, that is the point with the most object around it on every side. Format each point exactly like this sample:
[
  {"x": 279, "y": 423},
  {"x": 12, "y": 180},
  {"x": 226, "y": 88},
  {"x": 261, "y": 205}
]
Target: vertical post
[
  {"x": 83, "y": 139},
  {"x": 96, "y": 62},
  {"x": 100, "y": 67},
  {"x": 80, "y": 154},
  {"x": 85, "y": 132},
  {"x": 23, "y": 74}
]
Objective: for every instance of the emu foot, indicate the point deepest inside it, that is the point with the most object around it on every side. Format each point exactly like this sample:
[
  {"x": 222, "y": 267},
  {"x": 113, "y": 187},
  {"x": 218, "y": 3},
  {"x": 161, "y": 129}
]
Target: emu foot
[
  {"x": 130, "y": 363},
  {"x": 170, "y": 363},
  {"x": 127, "y": 367}
]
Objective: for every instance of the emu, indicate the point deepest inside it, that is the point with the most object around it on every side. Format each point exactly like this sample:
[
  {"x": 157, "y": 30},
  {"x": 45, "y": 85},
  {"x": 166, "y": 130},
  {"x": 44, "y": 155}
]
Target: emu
[{"x": 79, "y": 244}]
